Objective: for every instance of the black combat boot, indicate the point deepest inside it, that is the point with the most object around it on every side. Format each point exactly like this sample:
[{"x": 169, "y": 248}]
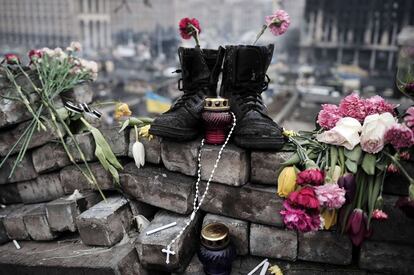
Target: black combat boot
[
  {"x": 200, "y": 70},
  {"x": 244, "y": 79}
]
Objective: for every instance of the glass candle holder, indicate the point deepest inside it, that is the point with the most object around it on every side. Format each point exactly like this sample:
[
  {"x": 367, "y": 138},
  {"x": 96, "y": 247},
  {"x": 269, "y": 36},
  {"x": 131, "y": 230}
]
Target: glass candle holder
[{"x": 217, "y": 120}]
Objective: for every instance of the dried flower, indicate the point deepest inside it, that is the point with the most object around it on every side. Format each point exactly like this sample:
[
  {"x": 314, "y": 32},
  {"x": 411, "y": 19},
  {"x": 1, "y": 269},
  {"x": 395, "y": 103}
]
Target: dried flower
[
  {"x": 311, "y": 176},
  {"x": 286, "y": 182},
  {"x": 330, "y": 196},
  {"x": 278, "y": 22},
  {"x": 144, "y": 132},
  {"x": 305, "y": 198},
  {"x": 138, "y": 152},
  {"x": 11, "y": 59},
  {"x": 289, "y": 133},
  {"x": 378, "y": 214},
  {"x": 329, "y": 116},
  {"x": 353, "y": 106},
  {"x": 275, "y": 270},
  {"x": 400, "y": 136},
  {"x": 122, "y": 110},
  {"x": 348, "y": 182},
  {"x": 299, "y": 219},
  {"x": 357, "y": 227}
]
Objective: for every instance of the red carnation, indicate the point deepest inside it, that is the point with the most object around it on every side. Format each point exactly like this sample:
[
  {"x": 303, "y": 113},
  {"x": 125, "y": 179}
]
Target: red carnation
[
  {"x": 305, "y": 197},
  {"x": 189, "y": 27},
  {"x": 11, "y": 59},
  {"x": 313, "y": 177},
  {"x": 35, "y": 54}
]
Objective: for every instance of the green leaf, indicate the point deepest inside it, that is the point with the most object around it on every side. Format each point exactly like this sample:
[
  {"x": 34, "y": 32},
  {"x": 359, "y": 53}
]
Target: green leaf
[
  {"x": 146, "y": 120},
  {"x": 294, "y": 159},
  {"x": 355, "y": 154},
  {"x": 106, "y": 149},
  {"x": 124, "y": 125},
  {"x": 369, "y": 163},
  {"x": 411, "y": 191},
  {"x": 99, "y": 153},
  {"x": 351, "y": 166},
  {"x": 333, "y": 157}
]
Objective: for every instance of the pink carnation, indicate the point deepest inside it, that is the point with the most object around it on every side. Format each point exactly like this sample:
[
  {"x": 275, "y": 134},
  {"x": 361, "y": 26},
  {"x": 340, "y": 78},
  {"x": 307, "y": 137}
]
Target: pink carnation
[
  {"x": 353, "y": 106},
  {"x": 299, "y": 219},
  {"x": 329, "y": 116},
  {"x": 400, "y": 136},
  {"x": 378, "y": 105},
  {"x": 378, "y": 214},
  {"x": 330, "y": 196},
  {"x": 278, "y": 22},
  {"x": 409, "y": 117}
]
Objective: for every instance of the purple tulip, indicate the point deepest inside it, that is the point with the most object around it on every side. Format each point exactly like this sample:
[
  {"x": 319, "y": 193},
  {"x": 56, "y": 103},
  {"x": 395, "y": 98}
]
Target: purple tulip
[
  {"x": 406, "y": 206},
  {"x": 357, "y": 227},
  {"x": 348, "y": 182}
]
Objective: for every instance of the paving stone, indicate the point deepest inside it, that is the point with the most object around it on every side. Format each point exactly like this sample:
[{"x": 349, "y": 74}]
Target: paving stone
[
  {"x": 180, "y": 156},
  {"x": 265, "y": 166},
  {"x": 195, "y": 267},
  {"x": 150, "y": 247},
  {"x": 272, "y": 242},
  {"x": 62, "y": 212},
  {"x": 325, "y": 247},
  {"x": 72, "y": 178},
  {"x": 159, "y": 187},
  {"x": 152, "y": 147},
  {"x": 9, "y": 194},
  {"x": 233, "y": 168},
  {"x": 49, "y": 157},
  {"x": 105, "y": 223},
  {"x": 37, "y": 224},
  {"x": 14, "y": 223},
  {"x": 13, "y": 112},
  {"x": 4, "y": 212},
  {"x": 86, "y": 144},
  {"x": 119, "y": 142},
  {"x": 387, "y": 257},
  {"x": 24, "y": 171},
  {"x": 254, "y": 203},
  {"x": 69, "y": 257},
  {"x": 398, "y": 228},
  {"x": 9, "y": 137},
  {"x": 239, "y": 231},
  {"x": 46, "y": 187}
]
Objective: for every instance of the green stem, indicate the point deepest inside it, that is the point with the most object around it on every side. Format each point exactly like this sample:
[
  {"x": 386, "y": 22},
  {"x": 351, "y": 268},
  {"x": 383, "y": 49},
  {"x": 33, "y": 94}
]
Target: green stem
[
  {"x": 136, "y": 133},
  {"x": 261, "y": 32}
]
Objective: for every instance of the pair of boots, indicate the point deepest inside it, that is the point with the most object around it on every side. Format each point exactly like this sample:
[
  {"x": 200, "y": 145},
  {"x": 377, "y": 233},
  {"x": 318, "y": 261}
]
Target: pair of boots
[{"x": 244, "y": 79}]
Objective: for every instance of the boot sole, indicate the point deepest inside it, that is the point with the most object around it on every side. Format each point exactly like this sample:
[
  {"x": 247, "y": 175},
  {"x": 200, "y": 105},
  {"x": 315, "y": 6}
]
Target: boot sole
[
  {"x": 173, "y": 133},
  {"x": 260, "y": 143}
]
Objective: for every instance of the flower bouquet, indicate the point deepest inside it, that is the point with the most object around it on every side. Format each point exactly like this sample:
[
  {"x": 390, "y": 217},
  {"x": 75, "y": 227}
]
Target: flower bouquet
[{"x": 337, "y": 172}]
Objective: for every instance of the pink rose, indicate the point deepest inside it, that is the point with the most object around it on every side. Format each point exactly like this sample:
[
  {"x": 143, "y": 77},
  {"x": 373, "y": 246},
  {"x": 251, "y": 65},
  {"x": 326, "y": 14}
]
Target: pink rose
[{"x": 373, "y": 132}]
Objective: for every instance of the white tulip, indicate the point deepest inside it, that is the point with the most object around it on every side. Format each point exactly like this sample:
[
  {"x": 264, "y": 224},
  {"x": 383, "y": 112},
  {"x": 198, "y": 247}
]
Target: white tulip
[{"x": 138, "y": 152}]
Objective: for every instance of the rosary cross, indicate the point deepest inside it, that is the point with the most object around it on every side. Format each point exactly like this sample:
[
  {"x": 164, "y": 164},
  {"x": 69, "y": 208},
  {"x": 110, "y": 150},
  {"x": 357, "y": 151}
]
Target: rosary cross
[{"x": 169, "y": 252}]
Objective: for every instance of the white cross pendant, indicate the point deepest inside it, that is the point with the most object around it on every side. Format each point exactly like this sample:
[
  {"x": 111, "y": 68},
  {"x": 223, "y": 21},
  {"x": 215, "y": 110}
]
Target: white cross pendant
[{"x": 169, "y": 252}]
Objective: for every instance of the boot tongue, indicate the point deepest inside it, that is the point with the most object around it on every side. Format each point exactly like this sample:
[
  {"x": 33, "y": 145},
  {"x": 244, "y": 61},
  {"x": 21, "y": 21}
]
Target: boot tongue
[
  {"x": 249, "y": 65},
  {"x": 194, "y": 66}
]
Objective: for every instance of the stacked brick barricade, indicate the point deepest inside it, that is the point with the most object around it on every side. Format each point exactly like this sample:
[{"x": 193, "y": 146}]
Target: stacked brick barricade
[{"x": 64, "y": 227}]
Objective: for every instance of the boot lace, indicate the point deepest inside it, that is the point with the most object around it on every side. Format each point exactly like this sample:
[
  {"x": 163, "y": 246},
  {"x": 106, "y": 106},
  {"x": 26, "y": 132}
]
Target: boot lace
[{"x": 249, "y": 98}]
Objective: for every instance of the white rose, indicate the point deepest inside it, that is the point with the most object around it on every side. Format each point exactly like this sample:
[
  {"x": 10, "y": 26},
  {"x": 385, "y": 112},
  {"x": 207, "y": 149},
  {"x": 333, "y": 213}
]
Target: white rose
[
  {"x": 345, "y": 133},
  {"x": 373, "y": 131}
]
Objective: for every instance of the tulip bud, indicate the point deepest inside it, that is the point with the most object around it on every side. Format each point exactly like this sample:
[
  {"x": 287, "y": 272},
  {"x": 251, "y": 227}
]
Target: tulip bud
[
  {"x": 379, "y": 204},
  {"x": 348, "y": 183},
  {"x": 286, "y": 182}
]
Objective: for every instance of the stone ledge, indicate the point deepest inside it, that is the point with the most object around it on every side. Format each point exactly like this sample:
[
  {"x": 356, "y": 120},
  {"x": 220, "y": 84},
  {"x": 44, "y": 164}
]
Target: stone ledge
[
  {"x": 180, "y": 156},
  {"x": 49, "y": 157},
  {"x": 44, "y": 188},
  {"x": 159, "y": 187},
  {"x": 266, "y": 165},
  {"x": 255, "y": 203}
]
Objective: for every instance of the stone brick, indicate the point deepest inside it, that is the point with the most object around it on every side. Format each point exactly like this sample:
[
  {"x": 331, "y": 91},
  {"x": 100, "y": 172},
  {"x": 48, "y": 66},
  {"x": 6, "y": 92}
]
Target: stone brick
[
  {"x": 68, "y": 258},
  {"x": 254, "y": 203},
  {"x": 14, "y": 224},
  {"x": 4, "y": 212},
  {"x": 265, "y": 166},
  {"x": 159, "y": 187},
  {"x": 141, "y": 208},
  {"x": 62, "y": 212},
  {"x": 387, "y": 257},
  {"x": 105, "y": 223},
  {"x": 180, "y": 156},
  {"x": 195, "y": 267},
  {"x": 79, "y": 94},
  {"x": 13, "y": 112},
  {"x": 86, "y": 144},
  {"x": 149, "y": 246},
  {"x": 239, "y": 231},
  {"x": 325, "y": 247},
  {"x": 9, "y": 194},
  {"x": 398, "y": 228},
  {"x": 45, "y": 188},
  {"x": 72, "y": 178},
  {"x": 24, "y": 171},
  {"x": 49, "y": 157},
  {"x": 37, "y": 224},
  {"x": 233, "y": 168},
  {"x": 152, "y": 147},
  {"x": 9, "y": 137},
  {"x": 272, "y": 242},
  {"x": 119, "y": 142}
]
